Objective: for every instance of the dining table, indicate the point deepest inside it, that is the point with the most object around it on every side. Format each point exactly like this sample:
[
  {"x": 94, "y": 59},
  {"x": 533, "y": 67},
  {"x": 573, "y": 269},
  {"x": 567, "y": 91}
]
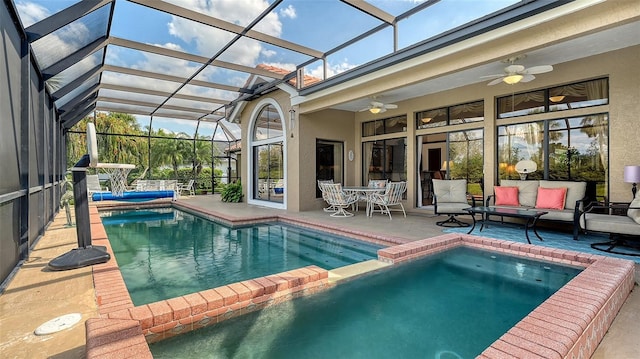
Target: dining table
[{"x": 365, "y": 192}]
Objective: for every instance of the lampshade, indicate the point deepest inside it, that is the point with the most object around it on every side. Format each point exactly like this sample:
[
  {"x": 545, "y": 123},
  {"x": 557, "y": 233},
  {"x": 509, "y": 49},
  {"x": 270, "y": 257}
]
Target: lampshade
[
  {"x": 374, "y": 110},
  {"x": 444, "y": 166},
  {"x": 512, "y": 79},
  {"x": 556, "y": 98},
  {"x": 632, "y": 174}
]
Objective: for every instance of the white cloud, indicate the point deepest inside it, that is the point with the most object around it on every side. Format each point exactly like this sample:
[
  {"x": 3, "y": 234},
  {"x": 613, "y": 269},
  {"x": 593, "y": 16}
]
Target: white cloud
[
  {"x": 268, "y": 53},
  {"x": 31, "y": 13},
  {"x": 209, "y": 41},
  {"x": 289, "y": 12},
  {"x": 332, "y": 69}
]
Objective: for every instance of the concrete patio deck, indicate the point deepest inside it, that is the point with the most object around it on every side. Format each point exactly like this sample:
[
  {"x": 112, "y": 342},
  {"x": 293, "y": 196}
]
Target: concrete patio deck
[{"x": 36, "y": 295}]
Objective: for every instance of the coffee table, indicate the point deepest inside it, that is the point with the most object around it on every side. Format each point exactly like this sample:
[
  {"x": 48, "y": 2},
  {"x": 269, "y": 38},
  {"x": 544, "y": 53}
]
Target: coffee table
[{"x": 531, "y": 215}]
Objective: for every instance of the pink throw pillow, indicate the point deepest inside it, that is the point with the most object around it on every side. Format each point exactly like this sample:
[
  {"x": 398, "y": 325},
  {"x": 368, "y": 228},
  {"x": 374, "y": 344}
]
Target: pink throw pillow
[
  {"x": 506, "y": 196},
  {"x": 551, "y": 198}
]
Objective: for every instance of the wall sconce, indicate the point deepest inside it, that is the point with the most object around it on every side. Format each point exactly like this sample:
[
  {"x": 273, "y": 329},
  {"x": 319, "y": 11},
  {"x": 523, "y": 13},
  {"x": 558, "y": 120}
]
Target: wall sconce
[{"x": 292, "y": 121}]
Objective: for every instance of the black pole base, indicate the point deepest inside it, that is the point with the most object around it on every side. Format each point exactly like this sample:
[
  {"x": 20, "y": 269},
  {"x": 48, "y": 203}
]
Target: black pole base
[{"x": 80, "y": 257}]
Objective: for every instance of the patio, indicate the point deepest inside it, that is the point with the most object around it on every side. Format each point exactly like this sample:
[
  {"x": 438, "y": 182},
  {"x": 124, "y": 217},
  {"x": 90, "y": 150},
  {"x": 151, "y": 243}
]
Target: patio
[{"x": 36, "y": 295}]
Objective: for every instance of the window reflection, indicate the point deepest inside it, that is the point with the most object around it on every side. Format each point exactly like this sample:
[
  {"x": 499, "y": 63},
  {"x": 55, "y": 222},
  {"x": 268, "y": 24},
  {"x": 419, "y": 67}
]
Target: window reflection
[{"x": 574, "y": 149}]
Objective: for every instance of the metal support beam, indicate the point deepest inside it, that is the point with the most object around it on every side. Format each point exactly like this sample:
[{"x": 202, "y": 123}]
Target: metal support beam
[
  {"x": 76, "y": 83},
  {"x": 74, "y": 58},
  {"x": 54, "y": 22}
]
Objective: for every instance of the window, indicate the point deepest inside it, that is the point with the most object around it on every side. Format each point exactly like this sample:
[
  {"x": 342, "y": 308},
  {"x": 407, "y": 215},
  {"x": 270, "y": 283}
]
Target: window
[
  {"x": 560, "y": 98},
  {"x": 574, "y": 149},
  {"x": 385, "y": 159},
  {"x": 267, "y": 151},
  {"x": 384, "y": 126},
  {"x": 452, "y": 115}
]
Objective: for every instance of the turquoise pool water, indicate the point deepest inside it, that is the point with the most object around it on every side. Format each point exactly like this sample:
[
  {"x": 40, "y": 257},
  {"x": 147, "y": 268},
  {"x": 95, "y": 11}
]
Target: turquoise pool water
[
  {"x": 167, "y": 253},
  {"x": 451, "y": 305}
]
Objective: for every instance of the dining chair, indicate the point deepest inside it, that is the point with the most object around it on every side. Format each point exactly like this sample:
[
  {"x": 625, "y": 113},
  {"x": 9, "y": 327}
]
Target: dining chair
[
  {"x": 339, "y": 199},
  {"x": 392, "y": 196},
  {"x": 330, "y": 208}
]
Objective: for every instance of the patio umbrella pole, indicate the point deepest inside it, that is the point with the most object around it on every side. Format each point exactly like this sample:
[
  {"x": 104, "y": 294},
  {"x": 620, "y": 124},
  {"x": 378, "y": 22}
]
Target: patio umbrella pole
[{"x": 86, "y": 254}]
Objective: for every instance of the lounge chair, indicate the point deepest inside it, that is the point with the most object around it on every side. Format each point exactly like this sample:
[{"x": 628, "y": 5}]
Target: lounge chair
[{"x": 188, "y": 188}]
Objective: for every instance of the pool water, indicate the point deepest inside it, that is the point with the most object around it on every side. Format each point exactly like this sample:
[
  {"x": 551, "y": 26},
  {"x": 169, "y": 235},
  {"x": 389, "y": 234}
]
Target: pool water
[
  {"x": 168, "y": 253},
  {"x": 447, "y": 306}
]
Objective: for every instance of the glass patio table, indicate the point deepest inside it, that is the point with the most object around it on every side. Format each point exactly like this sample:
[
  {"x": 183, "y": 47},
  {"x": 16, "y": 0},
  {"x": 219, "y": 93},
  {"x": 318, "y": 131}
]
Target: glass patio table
[
  {"x": 366, "y": 193},
  {"x": 530, "y": 215}
]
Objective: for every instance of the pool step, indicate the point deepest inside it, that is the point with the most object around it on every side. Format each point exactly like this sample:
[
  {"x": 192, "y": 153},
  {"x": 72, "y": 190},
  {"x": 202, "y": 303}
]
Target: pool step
[{"x": 354, "y": 270}]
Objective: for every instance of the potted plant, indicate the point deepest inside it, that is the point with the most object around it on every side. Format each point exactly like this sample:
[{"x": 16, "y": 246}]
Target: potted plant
[{"x": 232, "y": 192}]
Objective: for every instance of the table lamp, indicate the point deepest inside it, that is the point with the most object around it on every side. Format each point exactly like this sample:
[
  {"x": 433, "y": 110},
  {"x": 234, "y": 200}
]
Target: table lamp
[{"x": 632, "y": 175}]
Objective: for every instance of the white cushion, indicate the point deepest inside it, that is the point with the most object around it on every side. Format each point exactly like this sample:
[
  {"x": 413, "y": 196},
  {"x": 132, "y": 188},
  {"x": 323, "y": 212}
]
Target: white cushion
[
  {"x": 575, "y": 191},
  {"x": 450, "y": 191},
  {"x": 527, "y": 191}
]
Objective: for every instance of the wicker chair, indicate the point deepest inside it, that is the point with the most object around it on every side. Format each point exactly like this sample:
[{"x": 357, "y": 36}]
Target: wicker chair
[
  {"x": 330, "y": 208},
  {"x": 338, "y": 199},
  {"x": 392, "y": 196}
]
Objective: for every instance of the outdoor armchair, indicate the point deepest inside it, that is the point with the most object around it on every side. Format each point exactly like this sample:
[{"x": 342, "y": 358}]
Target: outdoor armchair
[{"x": 450, "y": 198}]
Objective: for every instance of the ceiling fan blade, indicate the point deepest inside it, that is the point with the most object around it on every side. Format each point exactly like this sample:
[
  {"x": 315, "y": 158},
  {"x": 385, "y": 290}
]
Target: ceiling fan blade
[
  {"x": 365, "y": 109},
  {"x": 390, "y": 106},
  {"x": 491, "y": 76},
  {"x": 383, "y": 109},
  {"x": 537, "y": 70},
  {"x": 495, "y": 82},
  {"x": 376, "y": 104},
  {"x": 527, "y": 78},
  {"x": 512, "y": 69}
]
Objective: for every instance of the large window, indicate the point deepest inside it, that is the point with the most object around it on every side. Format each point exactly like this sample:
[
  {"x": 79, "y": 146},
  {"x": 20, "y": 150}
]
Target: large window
[
  {"x": 385, "y": 159},
  {"x": 450, "y": 155},
  {"x": 566, "y": 97},
  {"x": 574, "y": 149},
  {"x": 268, "y": 156}
]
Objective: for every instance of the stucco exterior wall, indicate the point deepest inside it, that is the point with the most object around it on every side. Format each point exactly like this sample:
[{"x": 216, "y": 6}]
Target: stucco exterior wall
[{"x": 620, "y": 66}]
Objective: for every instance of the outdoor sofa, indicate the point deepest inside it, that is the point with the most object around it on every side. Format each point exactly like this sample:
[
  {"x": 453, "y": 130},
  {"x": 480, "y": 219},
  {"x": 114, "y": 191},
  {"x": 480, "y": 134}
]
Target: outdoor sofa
[{"x": 545, "y": 196}]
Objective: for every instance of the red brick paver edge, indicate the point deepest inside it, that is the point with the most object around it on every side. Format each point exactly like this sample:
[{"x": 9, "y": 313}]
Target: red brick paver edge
[{"x": 569, "y": 324}]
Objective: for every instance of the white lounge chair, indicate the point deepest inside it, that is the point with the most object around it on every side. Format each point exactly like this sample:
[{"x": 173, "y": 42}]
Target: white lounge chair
[{"x": 188, "y": 188}]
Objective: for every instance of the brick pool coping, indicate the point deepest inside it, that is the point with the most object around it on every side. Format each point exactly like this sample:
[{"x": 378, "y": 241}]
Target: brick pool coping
[{"x": 569, "y": 324}]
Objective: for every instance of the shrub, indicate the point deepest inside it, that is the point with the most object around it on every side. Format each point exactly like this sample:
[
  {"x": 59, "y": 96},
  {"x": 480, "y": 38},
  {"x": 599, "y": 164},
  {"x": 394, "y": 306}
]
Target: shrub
[{"x": 232, "y": 192}]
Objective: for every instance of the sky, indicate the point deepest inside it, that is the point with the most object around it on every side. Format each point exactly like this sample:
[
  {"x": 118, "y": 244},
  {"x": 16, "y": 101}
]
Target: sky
[{"x": 317, "y": 24}]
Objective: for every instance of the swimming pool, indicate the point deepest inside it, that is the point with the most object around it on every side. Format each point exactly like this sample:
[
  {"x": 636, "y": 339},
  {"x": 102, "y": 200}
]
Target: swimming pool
[
  {"x": 453, "y": 304},
  {"x": 166, "y": 253}
]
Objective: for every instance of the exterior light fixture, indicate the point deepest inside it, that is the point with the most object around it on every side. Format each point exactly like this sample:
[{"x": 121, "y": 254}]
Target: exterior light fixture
[
  {"x": 512, "y": 79},
  {"x": 292, "y": 121},
  {"x": 374, "y": 110},
  {"x": 426, "y": 120},
  {"x": 632, "y": 175}
]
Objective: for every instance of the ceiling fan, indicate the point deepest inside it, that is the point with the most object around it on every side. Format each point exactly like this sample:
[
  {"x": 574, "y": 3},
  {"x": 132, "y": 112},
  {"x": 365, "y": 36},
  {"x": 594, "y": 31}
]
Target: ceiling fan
[
  {"x": 378, "y": 107},
  {"x": 517, "y": 73}
]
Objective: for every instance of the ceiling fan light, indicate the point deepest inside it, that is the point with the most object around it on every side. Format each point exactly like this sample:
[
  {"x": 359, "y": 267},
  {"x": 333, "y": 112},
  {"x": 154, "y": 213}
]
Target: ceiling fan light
[
  {"x": 374, "y": 110},
  {"x": 556, "y": 98},
  {"x": 426, "y": 120},
  {"x": 512, "y": 79}
]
